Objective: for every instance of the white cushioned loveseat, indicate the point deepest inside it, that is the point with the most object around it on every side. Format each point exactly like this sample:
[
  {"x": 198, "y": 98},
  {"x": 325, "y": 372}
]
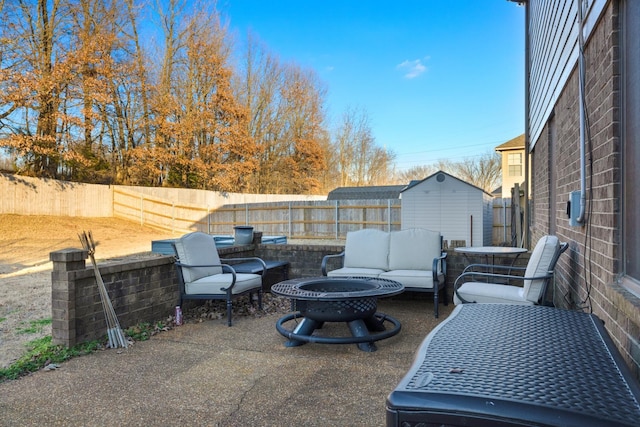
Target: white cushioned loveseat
[{"x": 413, "y": 257}]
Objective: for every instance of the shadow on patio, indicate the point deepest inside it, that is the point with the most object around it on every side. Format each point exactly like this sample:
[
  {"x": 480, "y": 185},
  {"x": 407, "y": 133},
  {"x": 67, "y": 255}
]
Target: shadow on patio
[{"x": 214, "y": 375}]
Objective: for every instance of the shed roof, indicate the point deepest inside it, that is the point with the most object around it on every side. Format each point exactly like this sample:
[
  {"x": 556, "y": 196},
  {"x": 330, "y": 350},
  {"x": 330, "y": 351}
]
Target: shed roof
[
  {"x": 371, "y": 192},
  {"x": 435, "y": 176}
]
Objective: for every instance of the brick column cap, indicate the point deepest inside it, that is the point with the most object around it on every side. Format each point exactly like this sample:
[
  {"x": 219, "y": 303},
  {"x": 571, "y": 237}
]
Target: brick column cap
[{"x": 68, "y": 255}]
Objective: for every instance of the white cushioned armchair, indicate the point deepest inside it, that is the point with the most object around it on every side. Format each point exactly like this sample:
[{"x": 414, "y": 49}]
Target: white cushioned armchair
[
  {"x": 204, "y": 276},
  {"x": 483, "y": 283}
]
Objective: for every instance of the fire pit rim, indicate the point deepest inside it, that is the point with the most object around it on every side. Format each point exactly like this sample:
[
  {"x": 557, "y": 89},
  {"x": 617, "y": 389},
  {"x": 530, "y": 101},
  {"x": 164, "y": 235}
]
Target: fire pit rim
[{"x": 293, "y": 288}]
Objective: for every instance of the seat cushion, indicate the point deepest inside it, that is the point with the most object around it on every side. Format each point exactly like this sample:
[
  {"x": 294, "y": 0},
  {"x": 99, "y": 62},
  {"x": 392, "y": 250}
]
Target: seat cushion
[
  {"x": 412, "y": 278},
  {"x": 491, "y": 293},
  {"x": 213, "y": 285},
  {"x": 367, "y": 248},
  {"x": 197, "y": 249},
  {"x": 413, "y": 249},
  {"x": 355, "y": 272},
  {"x": 539, "y": 265}
]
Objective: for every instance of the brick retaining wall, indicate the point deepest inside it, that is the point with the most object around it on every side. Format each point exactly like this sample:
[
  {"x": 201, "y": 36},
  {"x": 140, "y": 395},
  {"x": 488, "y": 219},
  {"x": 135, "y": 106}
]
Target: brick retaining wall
[
  {"x": 145, "y": 289},
  {"x": 141, "y": 290},
  {"x": 304, "y": 260}
]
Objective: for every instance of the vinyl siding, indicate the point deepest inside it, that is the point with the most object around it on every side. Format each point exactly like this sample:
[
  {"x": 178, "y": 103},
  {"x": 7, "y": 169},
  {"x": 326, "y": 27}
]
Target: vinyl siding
[
  {"x": 449, "y": 207},
  {"x": 553, "y": 52}
]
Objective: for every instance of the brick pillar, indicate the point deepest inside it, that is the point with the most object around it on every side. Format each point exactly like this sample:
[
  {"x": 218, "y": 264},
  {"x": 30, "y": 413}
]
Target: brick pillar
[{"x": 63, "y": 294}]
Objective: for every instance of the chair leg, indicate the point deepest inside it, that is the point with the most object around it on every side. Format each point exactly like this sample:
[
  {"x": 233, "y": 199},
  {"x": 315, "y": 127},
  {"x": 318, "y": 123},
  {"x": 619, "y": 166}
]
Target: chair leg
[
  {"x": 445, "y": 297},
  {"x": 260, "y": 299},
  {"x": 435, "y": 303},
  {"x": 229, "y": 310}
]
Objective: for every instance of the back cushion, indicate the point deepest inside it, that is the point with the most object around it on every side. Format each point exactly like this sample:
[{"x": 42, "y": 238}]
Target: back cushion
[
  {"x": 367, "y": 248},
  {"x": 413, "y": 249},
  {"x": 197, "y": 249},
  {"x": 539, "y": 265}
]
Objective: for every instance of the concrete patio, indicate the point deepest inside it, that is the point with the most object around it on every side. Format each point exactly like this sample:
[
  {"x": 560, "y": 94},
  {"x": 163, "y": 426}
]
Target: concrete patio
[{"x": 208, "y": 374}]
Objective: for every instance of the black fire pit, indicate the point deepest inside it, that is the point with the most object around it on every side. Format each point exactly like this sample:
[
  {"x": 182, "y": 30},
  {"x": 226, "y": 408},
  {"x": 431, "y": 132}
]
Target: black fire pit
[{"x": 337, "y": 299}]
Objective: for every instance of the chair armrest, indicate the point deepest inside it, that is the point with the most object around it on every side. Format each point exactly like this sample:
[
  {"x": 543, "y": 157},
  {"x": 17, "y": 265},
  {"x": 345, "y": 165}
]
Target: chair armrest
[
  {"x": 442, "y": 260},
  {"x": 487, "y": 276},
  {"x": 323, "y": 266},
  {"x": 223, "y": 266},
  {"x": 260, "y": 260},
  {"x": 502, "y": 276},
  {"x": 485, "y": 267},
  {"x": 181, "y": 264}
]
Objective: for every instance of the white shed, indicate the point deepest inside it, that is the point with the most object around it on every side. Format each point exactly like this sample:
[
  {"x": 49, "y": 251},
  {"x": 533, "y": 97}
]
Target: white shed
[{"x": 442, "y": 202}]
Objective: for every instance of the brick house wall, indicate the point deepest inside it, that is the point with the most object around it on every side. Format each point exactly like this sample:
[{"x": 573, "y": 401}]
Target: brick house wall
[{"x": 586, "y": 276}]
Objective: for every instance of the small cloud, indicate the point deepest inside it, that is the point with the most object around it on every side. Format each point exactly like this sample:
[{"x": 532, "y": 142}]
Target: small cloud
[{"x": 412, "y": 69}]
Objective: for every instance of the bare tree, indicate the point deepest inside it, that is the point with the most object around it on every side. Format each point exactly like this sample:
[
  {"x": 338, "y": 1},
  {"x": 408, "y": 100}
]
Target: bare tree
[
  {"x": 286, "y": 108},
  {"x": 67, "y": 88},
  {"x": 359, "y": 159},
  {"x": 258, "y": 85},
  {"x": 202, "y": 139},
  {"x": 380, "y": 168},
  {"x": 303, "y": 99},
  {"x": 83, "y": 98},
  {"x": 35, "y": 73},
  {"x": 127, "y": 118},
  {"x": 96, "y": 42},
  {"x": 484, "y": 172},
  {"x": 416, "y": 173}
]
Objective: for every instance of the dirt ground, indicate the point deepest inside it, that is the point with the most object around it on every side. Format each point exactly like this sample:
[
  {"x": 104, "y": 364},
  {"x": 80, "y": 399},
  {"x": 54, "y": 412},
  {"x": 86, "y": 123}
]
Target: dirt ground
[{"x": 25, "y": 269}]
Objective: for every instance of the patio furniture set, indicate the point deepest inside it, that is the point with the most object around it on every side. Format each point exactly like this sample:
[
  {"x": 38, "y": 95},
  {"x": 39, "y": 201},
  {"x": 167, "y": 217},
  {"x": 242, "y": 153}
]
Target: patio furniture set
[{"x": 501, "y": 358}]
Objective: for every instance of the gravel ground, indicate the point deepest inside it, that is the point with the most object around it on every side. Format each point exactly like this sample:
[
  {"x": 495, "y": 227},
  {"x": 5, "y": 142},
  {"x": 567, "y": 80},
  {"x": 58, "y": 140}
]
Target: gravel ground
[
  {"x": 25, "y": 269},
  {"x": 25, "y": 272}
]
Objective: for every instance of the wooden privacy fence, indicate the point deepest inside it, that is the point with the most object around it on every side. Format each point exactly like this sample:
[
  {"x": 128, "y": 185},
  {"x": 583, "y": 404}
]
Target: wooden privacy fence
[
  {"x": 502, "y": 214},
  {"x": 320, "y": 219},
  {"x": 181, "y": 210}
]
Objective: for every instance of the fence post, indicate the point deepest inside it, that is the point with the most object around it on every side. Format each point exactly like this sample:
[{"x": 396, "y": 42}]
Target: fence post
[
  {"x": 515, "y": 212},
  {"x": 337, "y": 217},
  {"x": 290, "y": 229},
  {"x": 246, "y": 214},
  {"x": 141, "y": 210},
  {"x": 504, "y": 220},
  {"x": 389, "y": 215}
]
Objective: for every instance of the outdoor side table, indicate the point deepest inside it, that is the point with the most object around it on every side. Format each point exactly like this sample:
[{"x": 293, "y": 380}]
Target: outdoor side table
[
  {"x": 503, "y": 364},
  {"x": 255, "y": 267},
  {"x": 491, "y": 251}
]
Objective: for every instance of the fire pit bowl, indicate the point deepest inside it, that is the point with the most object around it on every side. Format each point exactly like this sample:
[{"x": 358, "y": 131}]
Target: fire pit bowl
[{"x": 337, "y": 299}]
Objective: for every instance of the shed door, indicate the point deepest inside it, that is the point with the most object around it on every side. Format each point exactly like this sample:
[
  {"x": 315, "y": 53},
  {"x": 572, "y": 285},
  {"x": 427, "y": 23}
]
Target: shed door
[{"x": 445, "y": 210}]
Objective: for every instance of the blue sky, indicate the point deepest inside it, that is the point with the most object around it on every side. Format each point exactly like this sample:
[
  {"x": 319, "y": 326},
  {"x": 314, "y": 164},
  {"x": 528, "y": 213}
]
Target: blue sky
[{"x": 438, "y": 79}]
